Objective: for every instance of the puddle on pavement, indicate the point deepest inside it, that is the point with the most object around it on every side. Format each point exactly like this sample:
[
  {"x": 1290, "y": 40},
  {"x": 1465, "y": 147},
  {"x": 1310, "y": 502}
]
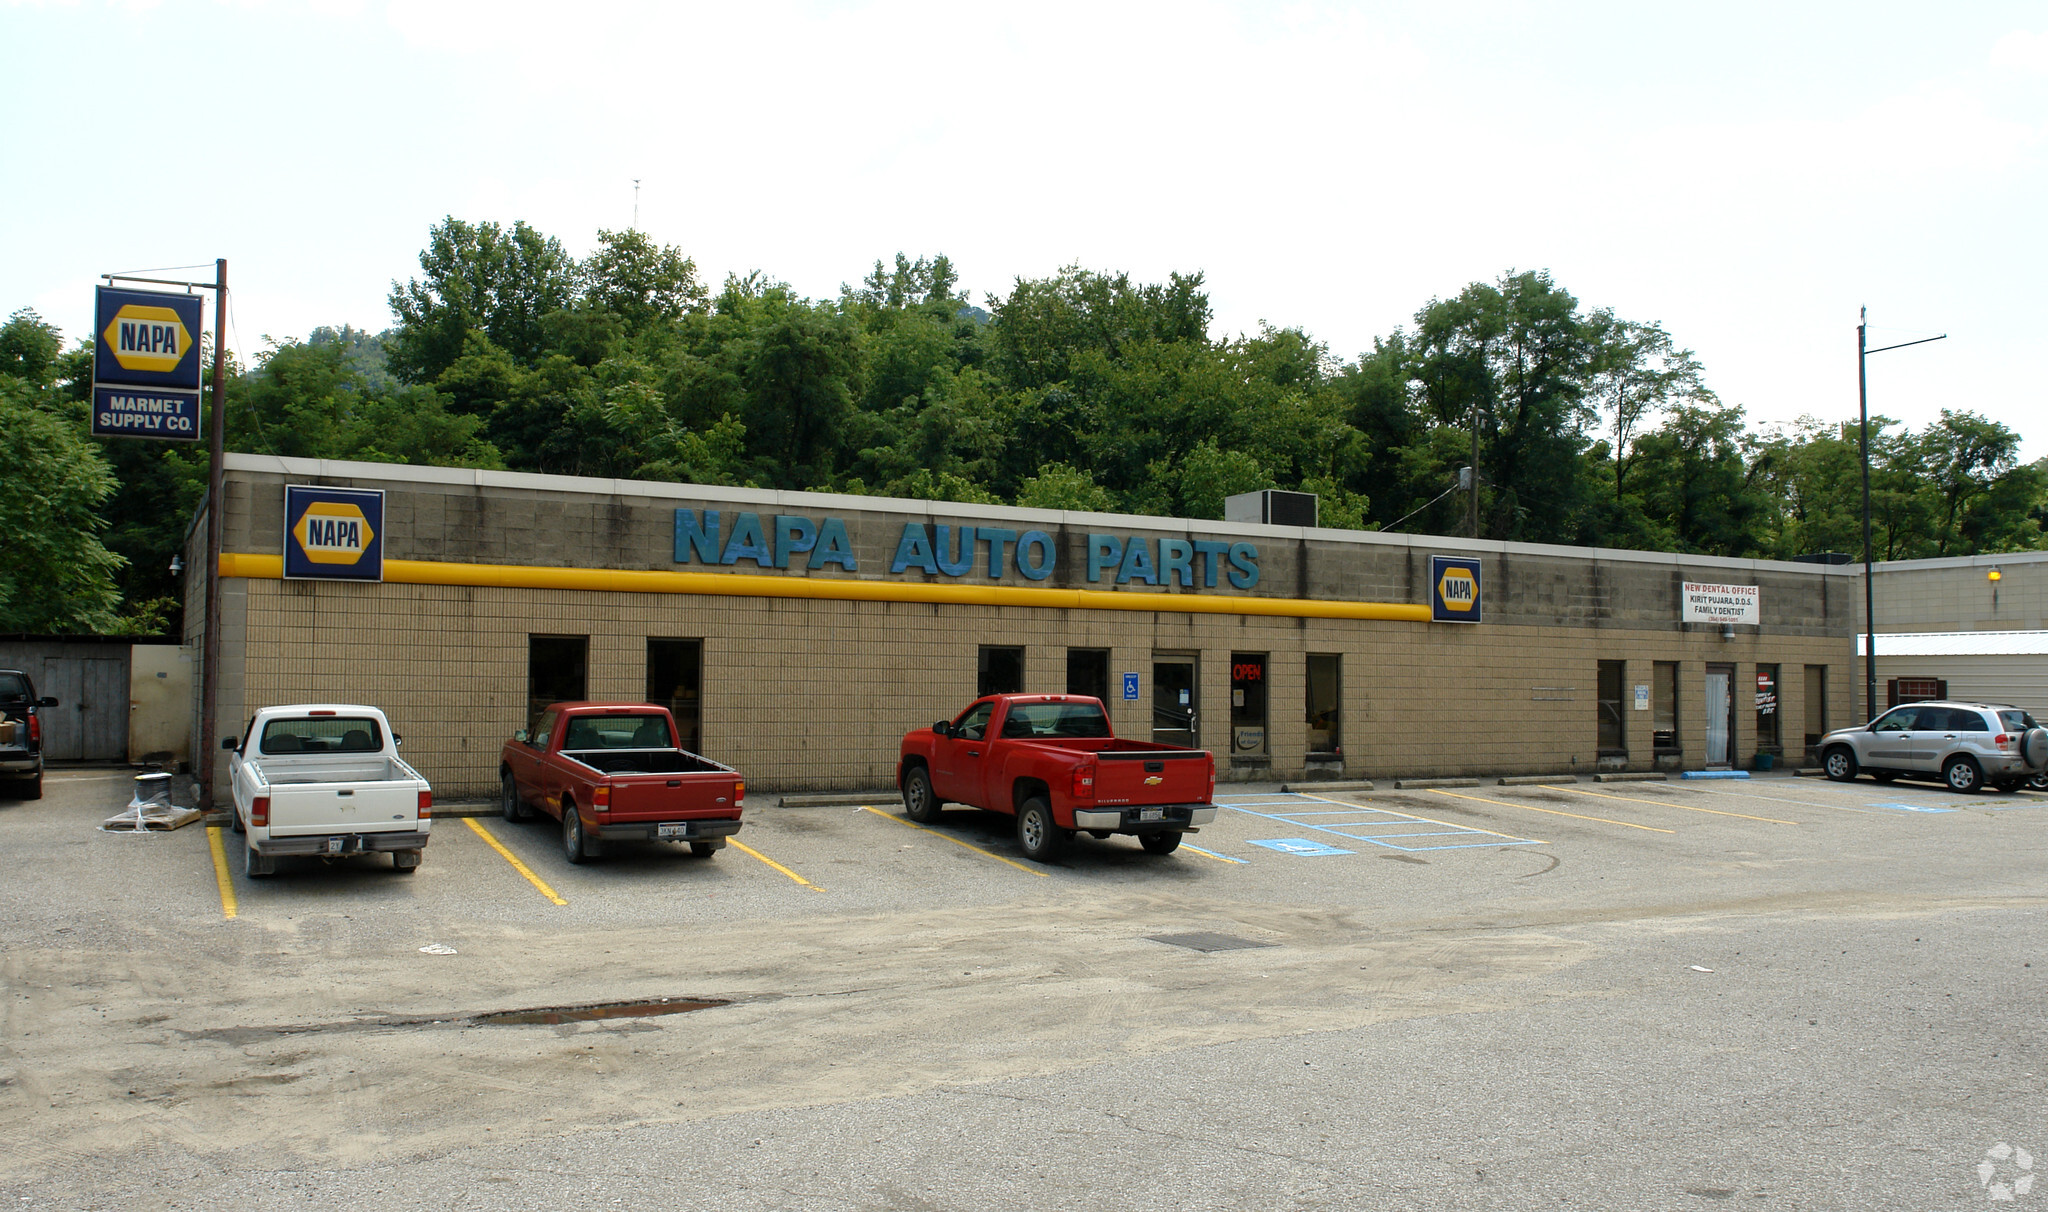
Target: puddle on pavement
[{"x": 554, "y": 1016}]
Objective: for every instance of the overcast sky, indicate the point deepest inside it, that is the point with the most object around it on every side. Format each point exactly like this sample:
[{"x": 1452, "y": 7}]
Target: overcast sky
[{"x": 1746, "y": 174}]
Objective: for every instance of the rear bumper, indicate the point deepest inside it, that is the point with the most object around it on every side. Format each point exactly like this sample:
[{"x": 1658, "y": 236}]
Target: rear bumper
[
  {"x": 1172, "y": 817},
  {"x": 351, "y": 843},
  {"x": 647, "y": 831},
  {"x": 20, "y": 763}
]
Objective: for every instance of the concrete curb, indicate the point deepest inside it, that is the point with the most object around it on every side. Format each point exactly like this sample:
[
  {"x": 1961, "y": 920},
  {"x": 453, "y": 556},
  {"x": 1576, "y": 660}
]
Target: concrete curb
[
  {"x": 839, "y": 799},
  {"x": 1332, "y": 785},
  {"x": 1536, "y": 780},
  {"x": 1425, "y": 784},
  {"x": 1633, "y": 776}
]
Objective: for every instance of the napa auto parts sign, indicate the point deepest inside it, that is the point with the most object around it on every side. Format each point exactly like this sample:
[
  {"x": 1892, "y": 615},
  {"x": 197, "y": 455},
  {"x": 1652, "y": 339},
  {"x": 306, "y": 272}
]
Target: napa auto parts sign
[
  {"x": 145, "y": 365},
  {"x": 333, "y": 534},
  {"x": 1706, "y": 603}
]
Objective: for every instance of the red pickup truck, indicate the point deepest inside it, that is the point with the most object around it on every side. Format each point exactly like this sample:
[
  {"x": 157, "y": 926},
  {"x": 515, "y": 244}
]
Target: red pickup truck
[
  {"x": 1051, "y": 760},
  {"x": 614, "y": 771}
]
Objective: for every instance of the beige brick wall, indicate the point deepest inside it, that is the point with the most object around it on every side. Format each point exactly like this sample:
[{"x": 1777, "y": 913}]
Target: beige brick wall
[{"x": 804, "y": 694}]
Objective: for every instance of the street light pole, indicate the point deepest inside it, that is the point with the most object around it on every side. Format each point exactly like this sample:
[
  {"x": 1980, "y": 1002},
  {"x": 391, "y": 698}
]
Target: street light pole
[{"x": 1869, "y": 582}]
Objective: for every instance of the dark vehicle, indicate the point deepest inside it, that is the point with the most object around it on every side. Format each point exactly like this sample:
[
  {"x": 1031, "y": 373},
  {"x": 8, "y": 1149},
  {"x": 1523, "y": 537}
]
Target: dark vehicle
[
  {"x": 614, "y": 771},
  {"x": 21, "y": 734}
]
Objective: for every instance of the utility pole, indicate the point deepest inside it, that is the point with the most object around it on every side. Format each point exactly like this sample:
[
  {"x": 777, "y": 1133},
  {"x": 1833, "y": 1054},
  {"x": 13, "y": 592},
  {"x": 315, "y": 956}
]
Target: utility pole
[
  {"x": 636, "y": 204},
  {"x": 1869, "y": 582},
  {"x": 1473, "y": 504},
  {"x": 216, "y": 443}
]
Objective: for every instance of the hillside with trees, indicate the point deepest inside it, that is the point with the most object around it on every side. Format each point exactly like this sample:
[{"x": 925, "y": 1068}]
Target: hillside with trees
[{"x": 1083, "y": 390}]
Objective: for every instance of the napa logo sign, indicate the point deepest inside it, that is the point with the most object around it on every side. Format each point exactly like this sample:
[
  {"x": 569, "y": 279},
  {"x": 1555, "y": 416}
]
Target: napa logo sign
[
  {"x": 1454, "y": 595},
  {"x": 333, "y": 534},
  {"x": 145, "y": 365}
]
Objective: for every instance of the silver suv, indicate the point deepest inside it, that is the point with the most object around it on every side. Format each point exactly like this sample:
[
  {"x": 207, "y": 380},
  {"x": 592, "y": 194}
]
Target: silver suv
[{"x": 1966, "y": 745}]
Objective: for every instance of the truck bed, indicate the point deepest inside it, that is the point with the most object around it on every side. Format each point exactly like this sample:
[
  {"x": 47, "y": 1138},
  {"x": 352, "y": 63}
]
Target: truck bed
[
  {"x": 645, "y": 761},
  {"x": 286, "y": 772}
]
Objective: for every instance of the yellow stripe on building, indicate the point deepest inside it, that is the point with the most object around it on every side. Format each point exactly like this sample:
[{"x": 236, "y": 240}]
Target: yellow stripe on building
[{"x": 841, "y": 589}]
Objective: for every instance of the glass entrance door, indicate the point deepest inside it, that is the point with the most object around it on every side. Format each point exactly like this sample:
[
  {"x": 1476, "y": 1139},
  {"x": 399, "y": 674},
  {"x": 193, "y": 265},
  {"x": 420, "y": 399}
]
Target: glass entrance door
[
  {"x": 1720, "y": 714},
  {"x": 1173, "y": 702}
]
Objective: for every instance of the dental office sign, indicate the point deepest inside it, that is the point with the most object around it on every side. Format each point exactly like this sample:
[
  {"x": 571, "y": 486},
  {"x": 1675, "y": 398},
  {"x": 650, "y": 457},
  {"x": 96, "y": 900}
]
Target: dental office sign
[
  {"x": 996, "y": 553},
  {"x": 1706, "y": 603}
]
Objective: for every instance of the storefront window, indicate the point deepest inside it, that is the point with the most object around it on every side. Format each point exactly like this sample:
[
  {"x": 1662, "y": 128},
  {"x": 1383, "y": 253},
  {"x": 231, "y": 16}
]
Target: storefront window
[
  {"x": 1088, "y": 672},
  {"x": 1664, "y": 707},
  {"x": 1247, "y": 704},
  {"x": 1000, "y": 671},
  {"x": 1768, "y": 737},
  {"x": 675, "y": 681},
  {"x": 1613, "y": 737},
  {"x": 557, "y": 671},
  {"x": 1325, "y": 692}
]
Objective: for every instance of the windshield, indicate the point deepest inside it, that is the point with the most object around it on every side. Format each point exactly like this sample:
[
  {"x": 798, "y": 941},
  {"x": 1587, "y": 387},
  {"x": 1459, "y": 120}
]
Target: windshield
[
  {"x": 617, "y": 732},
  {"x": 322, "y": 734},
  {"x": 13, "y": 688},
  {"x": 1056, "y": 719}
]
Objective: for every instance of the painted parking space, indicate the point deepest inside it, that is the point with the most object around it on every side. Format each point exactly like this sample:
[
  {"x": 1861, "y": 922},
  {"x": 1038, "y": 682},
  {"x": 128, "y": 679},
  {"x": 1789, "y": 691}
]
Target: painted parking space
[
  {"x": 1382, "y": 827},
  {"x": 1869, "y": 797}
]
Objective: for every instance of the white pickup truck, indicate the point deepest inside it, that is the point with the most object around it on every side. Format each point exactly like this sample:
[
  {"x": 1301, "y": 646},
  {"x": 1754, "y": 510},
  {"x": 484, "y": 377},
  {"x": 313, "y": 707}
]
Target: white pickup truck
[{"x": 325, "y": 779}]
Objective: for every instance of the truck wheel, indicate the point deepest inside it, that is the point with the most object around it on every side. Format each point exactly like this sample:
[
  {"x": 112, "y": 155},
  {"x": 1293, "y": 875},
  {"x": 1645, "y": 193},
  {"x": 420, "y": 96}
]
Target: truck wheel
[
  {"x": 258, "y": 866},
  {"x": 575, "y": 846},
  {"x": 508, "y": 799},
  {"x": 1164, "y": 842},
  {"x": 1840, "y": 764},
  {"x": 1962, "y": 774},
  {"x": 920, "y": 803},
  {"x": 405, "y": 862},
  {"x": 1037, "y": 833},
  {"x": 706, "y": 849},
  {"x": 235, "y": 821}
]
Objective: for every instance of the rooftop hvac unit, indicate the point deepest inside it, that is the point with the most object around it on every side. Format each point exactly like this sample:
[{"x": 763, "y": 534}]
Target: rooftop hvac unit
[{"x": 1273, "y": 507}]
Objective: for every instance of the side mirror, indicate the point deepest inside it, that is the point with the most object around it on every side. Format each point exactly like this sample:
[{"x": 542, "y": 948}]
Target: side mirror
[
  {"x": 942, "y": 728},
  {"x": 228, "y": 742},
  {"x": 520, "y": 736},
  {"x": 46, "y": 701},
  {"x": 396, "y": 740}
]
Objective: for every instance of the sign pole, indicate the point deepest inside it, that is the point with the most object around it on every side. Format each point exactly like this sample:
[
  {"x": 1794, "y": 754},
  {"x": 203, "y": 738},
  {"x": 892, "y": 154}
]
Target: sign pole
[{"x": 216, "y": 445}]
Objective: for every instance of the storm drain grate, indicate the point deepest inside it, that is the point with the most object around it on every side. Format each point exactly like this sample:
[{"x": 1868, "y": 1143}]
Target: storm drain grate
[
  {"x": 552, "y": 1016},
  {"x": 1207, "y": 941}
]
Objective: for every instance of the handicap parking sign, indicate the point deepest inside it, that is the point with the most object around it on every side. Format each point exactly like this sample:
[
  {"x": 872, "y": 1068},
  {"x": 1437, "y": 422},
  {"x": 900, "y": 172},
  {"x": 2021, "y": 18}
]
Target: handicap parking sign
[{"x": 1130, "y": 688}]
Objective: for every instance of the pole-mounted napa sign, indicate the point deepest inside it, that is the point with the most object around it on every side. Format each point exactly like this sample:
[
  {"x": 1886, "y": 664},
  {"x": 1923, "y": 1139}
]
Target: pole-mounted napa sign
[
  {"x": 1454, "y": 589},
  {"x": 145, "y": 365},
  {"x": 333, "y": 534}
]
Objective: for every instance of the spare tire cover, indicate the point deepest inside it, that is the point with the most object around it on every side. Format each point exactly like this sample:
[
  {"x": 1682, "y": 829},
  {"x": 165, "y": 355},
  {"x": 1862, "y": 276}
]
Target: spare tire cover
[{"x": 2034, "y": 747}]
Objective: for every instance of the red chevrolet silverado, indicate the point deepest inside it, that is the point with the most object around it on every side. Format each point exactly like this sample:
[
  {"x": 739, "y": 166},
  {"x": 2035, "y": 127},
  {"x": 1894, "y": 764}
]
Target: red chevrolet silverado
[
  {"x": 614, "y": 771},
  {"x": 1052, "y": 761}
]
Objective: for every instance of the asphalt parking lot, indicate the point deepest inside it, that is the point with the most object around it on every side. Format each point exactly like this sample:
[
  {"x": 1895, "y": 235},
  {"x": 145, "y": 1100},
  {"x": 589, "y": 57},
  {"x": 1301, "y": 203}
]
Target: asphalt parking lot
[{"x": 1779, "y": 992}]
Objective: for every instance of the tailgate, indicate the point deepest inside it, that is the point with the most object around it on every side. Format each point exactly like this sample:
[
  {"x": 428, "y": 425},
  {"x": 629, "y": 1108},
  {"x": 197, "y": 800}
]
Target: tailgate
[
  {"x": 379, "y": 807},
  {"x": 674, "y": 797},
  {"x": 1165, "y": 776}
]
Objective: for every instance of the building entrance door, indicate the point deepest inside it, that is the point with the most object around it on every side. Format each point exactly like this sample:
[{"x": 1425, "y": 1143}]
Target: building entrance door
[
  {"x": 1173, "y": 702},
  {"x": 1720, "y": 683}
]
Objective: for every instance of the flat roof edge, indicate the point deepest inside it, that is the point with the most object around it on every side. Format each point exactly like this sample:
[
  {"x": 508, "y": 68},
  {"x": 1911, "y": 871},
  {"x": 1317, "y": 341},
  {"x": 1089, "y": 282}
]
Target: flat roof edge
[{"x": 281, "y": 465}]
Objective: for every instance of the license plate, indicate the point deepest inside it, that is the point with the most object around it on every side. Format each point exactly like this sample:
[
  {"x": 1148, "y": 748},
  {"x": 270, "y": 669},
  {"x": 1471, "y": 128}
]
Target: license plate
[
  {"x": 334, "y": 845},
  {"x": 1151, "y": 814},
  {"x": 682, "y": 830}
]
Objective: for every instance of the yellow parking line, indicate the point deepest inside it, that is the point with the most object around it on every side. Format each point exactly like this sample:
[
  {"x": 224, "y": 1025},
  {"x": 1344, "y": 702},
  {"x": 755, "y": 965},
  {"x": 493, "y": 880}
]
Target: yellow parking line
[
  {"x": 887, "y": 816},
  {"x": 513, "y": 859},
  {"x": 1425, "y": 819},
  {"x": 1666, "y": 804},
  {"x": 220, "y": 872},
  {"x": 772, "y": 863},
  {"x": 1221, "y": 858},
  {"x": 1552, "y": 811}
]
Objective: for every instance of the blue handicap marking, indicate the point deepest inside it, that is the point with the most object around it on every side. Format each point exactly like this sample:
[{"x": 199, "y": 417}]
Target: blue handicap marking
[
  {"x": 1913, "y": 807},
  {"x": 1296, "y": 845},
  {"x": 1131, "y": 687}
]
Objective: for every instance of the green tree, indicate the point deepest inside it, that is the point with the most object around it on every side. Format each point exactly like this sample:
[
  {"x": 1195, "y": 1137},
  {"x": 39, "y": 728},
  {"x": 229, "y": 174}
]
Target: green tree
[
  {"x": 58, "y": 576},
  {"x": 641, "y": 282},
  {"x": 478, "y": 277}
]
